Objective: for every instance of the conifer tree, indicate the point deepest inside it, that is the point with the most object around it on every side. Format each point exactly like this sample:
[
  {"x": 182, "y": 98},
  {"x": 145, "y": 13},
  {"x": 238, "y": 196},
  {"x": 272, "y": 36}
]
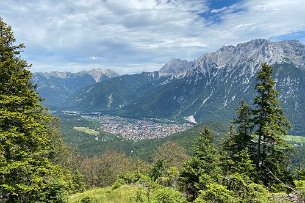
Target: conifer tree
[
  {"x": 203, "y": 168},
  {"x": 238, "y": 146},
  {"x": 272, "y": 154},
  {"x": 26, "y": 171},
  {"x": 244, "y": 127}
]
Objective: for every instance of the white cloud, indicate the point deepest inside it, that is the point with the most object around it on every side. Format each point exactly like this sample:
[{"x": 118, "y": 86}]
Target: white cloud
[
  {"x": 76, "y": 67},
  {"x": 119, "y": 34},
  {"x": 219, "y": 10}
]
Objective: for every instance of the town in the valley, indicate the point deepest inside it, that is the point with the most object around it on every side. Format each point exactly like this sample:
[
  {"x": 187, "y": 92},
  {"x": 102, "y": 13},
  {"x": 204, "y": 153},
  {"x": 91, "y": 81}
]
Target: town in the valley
[{"x": 139, "y": 129}]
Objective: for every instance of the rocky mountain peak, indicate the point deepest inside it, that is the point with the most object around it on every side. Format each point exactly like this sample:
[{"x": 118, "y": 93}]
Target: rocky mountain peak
[
  {"x": 56, "y": 74},
  {"x": 176, "y": 68},
  {"x": 252, "y": 54},
  {"x": 98, "y": 73},
  {"x": 209, "y": 88}
]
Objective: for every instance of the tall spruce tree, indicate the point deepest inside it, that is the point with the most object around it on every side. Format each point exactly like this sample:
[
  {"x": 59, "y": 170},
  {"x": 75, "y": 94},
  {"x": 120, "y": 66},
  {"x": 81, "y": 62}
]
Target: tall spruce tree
[
  {"x": 203, "y": 168},
  {"x": 237, "y": 153},
  {"x": 272, "y": 154},
  {"x": 26, "y": 171},
  {"x": 244, "y": 127},
  {"x": 240, "y": 133}
]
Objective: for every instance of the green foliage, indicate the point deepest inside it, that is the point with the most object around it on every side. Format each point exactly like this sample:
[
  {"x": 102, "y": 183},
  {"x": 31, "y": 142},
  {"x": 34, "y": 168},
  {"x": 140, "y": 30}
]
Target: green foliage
[
  {"x": 128, "y": 179},
  {"x": 86, "y": 144},
  {"x": 167, "y": 195},
  {"x": 77, "y": 183},
  {"x": 158, "y": 169},
  {"x": 27, "y": 152},
  {"x": 241, "y": 163},
  {"x": 272, "y": 154},
  {"x": 55, "y": 193},
  {"x": 140, "y": 196},
  {"x": 216, "y": 193},
  {"x": 301, "y": 174},
  {"x": 294, "y": 139},
  {"x": 238, "y": 147},
  {"x": 171, "y": 178},
  {"x": 300, "y": 186},
  {"x": 267, "y": 147},
  {"x": 234, "y": 159},
  {"x": 87, "y": 200},
  {"x": 124, "y": 194},
  {"x": 244, "y": 125},
  {"x": 240, "y": 139},
  {"x": 203, "y": 168},
  {"x": 153, "y": 187},
  {"x": 189, "y": 177},
  {"x": 257, "y": 193},
  {"x": 245, "y": 189},
  {"x": 172, "y": 152},
  {"x": 298, "y": 158},
  {"x": 207, "y": 154},
  {"x": 102, "y": 171},
  {"x": 105, "y": 170}
]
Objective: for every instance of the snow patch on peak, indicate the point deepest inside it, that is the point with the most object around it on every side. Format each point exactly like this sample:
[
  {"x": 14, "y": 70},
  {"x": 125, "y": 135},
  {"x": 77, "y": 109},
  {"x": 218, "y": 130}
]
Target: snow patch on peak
[{"x": 191, "y": 119}]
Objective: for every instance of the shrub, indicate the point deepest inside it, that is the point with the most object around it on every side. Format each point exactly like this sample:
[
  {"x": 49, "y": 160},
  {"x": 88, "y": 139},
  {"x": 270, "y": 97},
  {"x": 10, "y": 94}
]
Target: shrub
[
  {"x": 167, "y": 195},
  {"x": 300, "y": 186},
  {"x": 87, "y": 200},
  {"x": 216, "y": 193}
]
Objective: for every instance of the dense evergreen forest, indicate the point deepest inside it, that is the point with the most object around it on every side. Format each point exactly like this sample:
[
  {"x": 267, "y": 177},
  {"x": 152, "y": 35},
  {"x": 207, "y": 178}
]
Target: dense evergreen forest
[{"x": 251, "y": 162}]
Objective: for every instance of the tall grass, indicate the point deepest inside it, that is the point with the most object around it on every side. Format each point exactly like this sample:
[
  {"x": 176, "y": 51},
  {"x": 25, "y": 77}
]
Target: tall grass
[{"x": 124, "y": 194}]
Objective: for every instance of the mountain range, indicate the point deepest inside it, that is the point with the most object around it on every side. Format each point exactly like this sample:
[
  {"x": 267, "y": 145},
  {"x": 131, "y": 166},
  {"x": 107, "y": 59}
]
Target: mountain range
[
  {"x": 206, "y": 89},
  {"x": 56, "y": 87}
]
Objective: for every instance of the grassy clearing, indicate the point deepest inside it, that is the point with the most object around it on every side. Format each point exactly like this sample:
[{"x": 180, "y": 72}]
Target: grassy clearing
[
  {"x": 293, "y": 138},
  {"x": 86, "y": 130},
  {"x": 124, "y": 194},
  {"x": 128, "y": 194}
]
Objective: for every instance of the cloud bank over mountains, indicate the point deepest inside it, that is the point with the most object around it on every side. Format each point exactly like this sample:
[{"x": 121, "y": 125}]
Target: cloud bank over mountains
[{"x": 137, "y": 35}]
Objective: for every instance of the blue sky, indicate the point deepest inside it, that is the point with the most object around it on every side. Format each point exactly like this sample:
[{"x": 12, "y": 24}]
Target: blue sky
[{"x": 141, "y": 35}]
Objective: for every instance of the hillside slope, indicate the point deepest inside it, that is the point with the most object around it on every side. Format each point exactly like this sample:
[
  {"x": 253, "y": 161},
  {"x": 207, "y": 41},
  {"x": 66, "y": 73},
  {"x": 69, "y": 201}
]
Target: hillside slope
[
  {"x": 208, "y": 89},
  {"x": 55, "y": 87}
]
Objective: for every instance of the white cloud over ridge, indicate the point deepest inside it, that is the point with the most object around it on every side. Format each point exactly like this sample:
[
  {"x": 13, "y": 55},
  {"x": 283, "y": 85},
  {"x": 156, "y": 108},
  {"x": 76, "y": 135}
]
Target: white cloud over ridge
[{"x": 72, "y": 35}]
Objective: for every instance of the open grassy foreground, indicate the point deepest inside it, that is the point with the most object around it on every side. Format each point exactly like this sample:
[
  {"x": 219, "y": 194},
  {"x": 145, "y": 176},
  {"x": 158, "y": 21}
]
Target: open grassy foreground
[
  {"x": 126, "y": 194},
  {"x": 134, "y": 194}
]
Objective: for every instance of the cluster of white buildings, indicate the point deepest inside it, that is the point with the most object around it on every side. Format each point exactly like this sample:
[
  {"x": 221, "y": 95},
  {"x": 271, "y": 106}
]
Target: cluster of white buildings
[{"x": 133, "y": 129}]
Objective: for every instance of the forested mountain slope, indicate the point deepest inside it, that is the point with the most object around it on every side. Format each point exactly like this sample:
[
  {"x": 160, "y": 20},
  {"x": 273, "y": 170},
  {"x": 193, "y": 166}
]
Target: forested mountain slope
[{"x": 208, "y": 89}]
